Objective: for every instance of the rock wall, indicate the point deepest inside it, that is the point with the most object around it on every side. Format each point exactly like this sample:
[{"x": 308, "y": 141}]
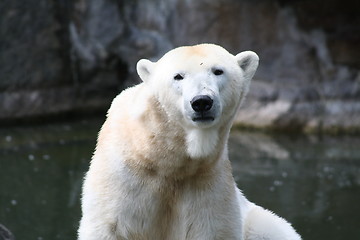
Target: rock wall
[{"x": 69, "y": 56}]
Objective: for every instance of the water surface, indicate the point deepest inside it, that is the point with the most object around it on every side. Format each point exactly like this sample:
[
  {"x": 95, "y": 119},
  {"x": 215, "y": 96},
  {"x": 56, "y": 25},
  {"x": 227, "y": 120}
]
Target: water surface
[{"x": 313, "y": 182}]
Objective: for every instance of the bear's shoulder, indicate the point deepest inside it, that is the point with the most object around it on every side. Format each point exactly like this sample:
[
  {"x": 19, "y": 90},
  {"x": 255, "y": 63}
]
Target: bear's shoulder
[{"x": 131, "y": 101}]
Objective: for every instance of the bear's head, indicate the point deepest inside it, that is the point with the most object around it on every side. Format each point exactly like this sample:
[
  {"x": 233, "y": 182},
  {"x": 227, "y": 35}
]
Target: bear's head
[{"x": 200, "y": 86}]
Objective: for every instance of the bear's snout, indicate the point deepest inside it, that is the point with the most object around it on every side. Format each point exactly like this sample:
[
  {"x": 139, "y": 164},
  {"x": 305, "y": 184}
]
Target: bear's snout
[
  {"x": 204, "y": 109},
  {"x": 201, "y": 103}
]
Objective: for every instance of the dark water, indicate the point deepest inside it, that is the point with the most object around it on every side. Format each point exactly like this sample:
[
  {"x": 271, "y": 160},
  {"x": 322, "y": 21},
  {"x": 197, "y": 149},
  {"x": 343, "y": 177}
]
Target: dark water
[{"x": 313, "y": 182}]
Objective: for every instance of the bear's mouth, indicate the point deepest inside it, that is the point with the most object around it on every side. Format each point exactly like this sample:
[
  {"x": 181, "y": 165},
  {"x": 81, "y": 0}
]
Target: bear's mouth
[{"x": 203, "y": 119}]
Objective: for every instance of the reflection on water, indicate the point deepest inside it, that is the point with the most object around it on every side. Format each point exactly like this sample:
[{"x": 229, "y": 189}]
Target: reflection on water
[
  {"x": 40, "y": 181},
  {"x": 313, "y": 182}
]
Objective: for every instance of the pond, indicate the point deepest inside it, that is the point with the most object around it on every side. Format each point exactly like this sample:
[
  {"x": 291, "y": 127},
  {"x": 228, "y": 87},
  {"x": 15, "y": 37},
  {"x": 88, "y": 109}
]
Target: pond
[{"x": 312, "y": 181}]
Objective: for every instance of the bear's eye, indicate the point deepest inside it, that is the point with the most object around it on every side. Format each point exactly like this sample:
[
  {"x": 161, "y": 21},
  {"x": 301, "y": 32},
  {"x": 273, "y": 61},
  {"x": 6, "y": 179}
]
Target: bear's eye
[
  {"x": 178, "y": 77},
  {"x": 218, "y": 72}
]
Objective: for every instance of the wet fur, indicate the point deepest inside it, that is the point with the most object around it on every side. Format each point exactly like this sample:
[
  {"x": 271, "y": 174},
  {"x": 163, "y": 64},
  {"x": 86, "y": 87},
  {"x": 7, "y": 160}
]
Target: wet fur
[{"x": 158, "y": 178}]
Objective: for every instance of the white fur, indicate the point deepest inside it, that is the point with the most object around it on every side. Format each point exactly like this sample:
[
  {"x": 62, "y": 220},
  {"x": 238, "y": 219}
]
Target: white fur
[
  {"x": 201, "y": 142},
  {"x": 159, "y": 174}
]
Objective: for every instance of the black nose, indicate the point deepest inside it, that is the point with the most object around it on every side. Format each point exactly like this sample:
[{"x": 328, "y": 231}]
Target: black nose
[{"x": 201, "y": 103}]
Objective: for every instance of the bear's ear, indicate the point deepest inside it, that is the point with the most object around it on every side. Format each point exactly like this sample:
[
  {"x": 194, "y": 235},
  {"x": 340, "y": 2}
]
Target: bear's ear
[
  {"x": 144, "y": 68},
  {"x": 248, "y": 62}
]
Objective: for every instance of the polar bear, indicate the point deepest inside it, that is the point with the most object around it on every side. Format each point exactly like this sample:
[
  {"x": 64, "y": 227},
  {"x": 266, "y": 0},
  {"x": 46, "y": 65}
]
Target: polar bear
[{"x": 161, "y": 169}]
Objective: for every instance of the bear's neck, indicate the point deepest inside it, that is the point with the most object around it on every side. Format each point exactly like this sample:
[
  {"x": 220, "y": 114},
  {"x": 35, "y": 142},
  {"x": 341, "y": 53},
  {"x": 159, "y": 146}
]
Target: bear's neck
[
  {"x": 169, "y": 150},
  {"x": 201, "y": 143}
]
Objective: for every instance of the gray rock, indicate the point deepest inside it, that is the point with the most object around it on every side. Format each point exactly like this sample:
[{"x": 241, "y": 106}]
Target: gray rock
[
  {"x": 62, "y": 56},
  {"x": 5, "y": 233}
]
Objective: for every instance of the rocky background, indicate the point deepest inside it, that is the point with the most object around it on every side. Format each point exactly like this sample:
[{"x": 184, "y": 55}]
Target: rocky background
[{"x": 74, "y": 56}]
